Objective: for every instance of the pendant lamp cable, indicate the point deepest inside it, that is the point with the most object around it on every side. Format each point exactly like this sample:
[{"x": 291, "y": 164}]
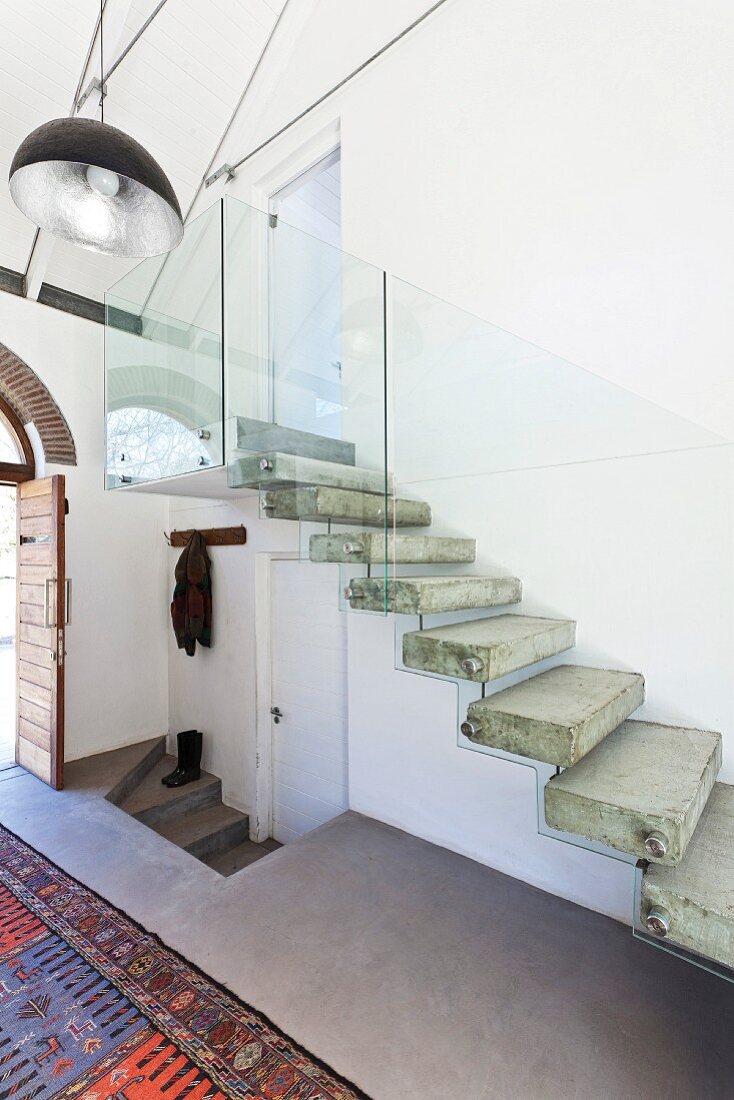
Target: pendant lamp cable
[{"x": 101, "y": 55}]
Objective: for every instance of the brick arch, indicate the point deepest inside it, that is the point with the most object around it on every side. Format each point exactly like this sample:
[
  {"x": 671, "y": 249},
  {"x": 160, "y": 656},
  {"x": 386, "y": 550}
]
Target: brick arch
[{"x": 29, "y": 399}]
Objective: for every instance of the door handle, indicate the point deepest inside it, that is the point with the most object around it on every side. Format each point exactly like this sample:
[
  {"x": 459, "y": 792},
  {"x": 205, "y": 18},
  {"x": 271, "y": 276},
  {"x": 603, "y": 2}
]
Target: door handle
[
  {"x": 67, "y": 602},
  {"x": 277, "y": 714},
  {"x": 47, "y": 602}
]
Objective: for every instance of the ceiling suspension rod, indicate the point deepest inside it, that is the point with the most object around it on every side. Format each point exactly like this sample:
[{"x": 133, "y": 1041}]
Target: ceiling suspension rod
[{"x": 230, "y": 169}]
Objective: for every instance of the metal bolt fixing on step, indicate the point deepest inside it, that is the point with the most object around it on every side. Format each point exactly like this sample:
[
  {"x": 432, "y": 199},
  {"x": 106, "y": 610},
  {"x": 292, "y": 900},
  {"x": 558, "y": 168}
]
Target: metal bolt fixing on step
[
  {"x": 469, "y": 729},
  {"x": 348, "y": 592},
  {"x": 656, "y": 845},
  {"x": 657, "y": 921},
  {"x": 472, "y": 665},
  {"x": 266, "y": 464},
  {"x": 352, "y": 547}
]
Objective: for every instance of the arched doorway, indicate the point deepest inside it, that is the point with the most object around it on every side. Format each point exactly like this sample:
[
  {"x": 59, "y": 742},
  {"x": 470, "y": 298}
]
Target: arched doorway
[{"x": 16, "y": 466}]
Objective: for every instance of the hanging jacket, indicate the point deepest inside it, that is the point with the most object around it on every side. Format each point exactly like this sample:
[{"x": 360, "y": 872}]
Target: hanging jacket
[{"x": 191, "y": 608}]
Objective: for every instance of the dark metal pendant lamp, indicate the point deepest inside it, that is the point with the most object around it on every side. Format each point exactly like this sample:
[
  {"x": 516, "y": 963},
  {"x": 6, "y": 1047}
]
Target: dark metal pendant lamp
[{"x": 93, "y": 185}]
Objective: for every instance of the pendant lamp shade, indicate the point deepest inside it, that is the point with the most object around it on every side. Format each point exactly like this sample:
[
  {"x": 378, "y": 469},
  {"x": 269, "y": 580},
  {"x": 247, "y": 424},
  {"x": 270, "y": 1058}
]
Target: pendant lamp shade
[{"x": 91, "y": 184}]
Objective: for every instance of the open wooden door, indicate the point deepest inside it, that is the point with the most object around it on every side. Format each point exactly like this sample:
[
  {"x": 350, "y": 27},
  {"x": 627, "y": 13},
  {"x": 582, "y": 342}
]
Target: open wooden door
[{"x": 39, "y": 741}]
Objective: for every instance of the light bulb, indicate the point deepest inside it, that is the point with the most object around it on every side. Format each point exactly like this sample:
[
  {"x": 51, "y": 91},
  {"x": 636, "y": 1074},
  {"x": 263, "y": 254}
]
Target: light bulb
[{"x": 103, "y": 181}]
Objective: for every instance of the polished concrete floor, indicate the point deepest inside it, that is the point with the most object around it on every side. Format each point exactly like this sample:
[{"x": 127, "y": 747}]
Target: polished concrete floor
[{"x": 416, "y": 973}]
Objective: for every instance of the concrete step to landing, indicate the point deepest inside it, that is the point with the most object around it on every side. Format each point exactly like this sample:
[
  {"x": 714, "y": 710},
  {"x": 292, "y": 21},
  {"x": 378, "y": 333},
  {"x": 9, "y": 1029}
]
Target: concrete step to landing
[
  {"x": 694, "y": 901},
  {"x": 486, "y": 649},
  {"x": 322, "y": 504},
  {"x": 641, "y": 790},
  {"x": 558, "y": 716},
  {"x": 153, "y": 804},
  {"x": 208, "y": 831},
  {"x": 276, "y": 470},
  {"x": 259, "y": 435},
  {"x": 371, "y": 548},
  {"x": 431, "y": 595},
  {"x": 148, "y": 755}
]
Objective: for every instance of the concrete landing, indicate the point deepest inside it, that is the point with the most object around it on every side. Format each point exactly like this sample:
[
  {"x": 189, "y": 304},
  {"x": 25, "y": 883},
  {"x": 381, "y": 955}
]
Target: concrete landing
[
  {"x": 321, "y": 504},
  {"x": 643, "y": 780},
  {"x": 259, "y": 436},
  {"x": 416, "y": 973},
  {"x": 432, "y": 595},
  {"x": 371, "y": 548},
  {"x": 557, "y": 717},
  {"x": 486, "y": 649},
  {"x": 698, "y": 894},
  {"x": 275, "y": 470}
]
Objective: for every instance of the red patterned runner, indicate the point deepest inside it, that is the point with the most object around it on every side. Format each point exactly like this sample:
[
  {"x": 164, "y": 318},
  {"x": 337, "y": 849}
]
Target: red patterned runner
[{"x": 95, "y": 1008}]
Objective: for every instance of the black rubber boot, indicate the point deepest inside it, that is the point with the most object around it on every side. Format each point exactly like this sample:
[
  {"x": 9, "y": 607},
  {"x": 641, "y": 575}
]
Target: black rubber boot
[
  {"x": 191, "y": 770},
  {"x": 181, "y": 742}
]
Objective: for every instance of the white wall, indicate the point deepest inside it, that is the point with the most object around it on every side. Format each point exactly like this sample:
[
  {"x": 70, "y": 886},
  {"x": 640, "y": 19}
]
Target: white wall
[
  {"x": 565, "y": 171},
  {"x": 215, "y": 691},
  {"x": 116, "y": 667}
]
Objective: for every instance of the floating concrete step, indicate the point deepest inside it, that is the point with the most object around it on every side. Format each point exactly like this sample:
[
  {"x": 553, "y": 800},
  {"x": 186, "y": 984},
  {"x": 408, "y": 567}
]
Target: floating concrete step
[
  {"x": 321, "y": 504},
  {"x": 486, "y": 649},
  {"x": 369, "y": 547},
  {"x": 558, "y": 716},
  {"x": 258, "y": 436},
  {"x": 641, "y": 791},
  {"x": 693, "y": 904},
  {"x": 431, "y": 595},
  {"x": 152, "y": 803},
  {"x": 208, "y": 831},
  {"x": 284, "y": 471}
]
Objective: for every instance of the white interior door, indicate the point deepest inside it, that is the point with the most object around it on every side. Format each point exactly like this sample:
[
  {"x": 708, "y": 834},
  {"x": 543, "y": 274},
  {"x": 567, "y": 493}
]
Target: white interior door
[{"x": 309, "y": 690}]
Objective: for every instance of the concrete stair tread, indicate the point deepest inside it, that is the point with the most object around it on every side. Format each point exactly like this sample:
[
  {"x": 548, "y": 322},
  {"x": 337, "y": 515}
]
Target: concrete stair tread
[
  {"x": 274, "y": 469},
  {"x": 191, "y": 829},
  {"x": 258, "y": 436},
  {"x": 322, "y": 504},
  {"x": 643, "y": 779},
  {"x": 698, "y": 893},
  {"x": 499, "y": 645},
  {"x": 372, "y": 547},
  {"x": 152, "y": 802},
  {"x": 557, "y": 716},
  {"x": 432, "y": 595}
]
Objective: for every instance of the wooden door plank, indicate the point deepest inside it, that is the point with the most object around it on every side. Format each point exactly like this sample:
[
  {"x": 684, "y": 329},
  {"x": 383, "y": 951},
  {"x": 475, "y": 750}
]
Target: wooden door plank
[
  {"x": 35, "y": 525},
  {"x": 35, "y": 694},
  {"x": 34, "y": 674},
  {"x": 32, "y": 594},
  {"x": 35, "y": 506},
  {"x": 33, "y": 759},
  {"x": 41, "y": 487},
  {"x": 31, "y": 613},
  {"x": 36, "y": 553},
  {"x": 36, "y": 635},
  {"x": 31, "y": 712},
  {"x": 35, "y": 655},
  {"x": 33, "y": 574}
]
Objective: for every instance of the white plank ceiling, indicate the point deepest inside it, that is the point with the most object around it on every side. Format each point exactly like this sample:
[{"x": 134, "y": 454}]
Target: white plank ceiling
[{"x": 174, "y": 92}]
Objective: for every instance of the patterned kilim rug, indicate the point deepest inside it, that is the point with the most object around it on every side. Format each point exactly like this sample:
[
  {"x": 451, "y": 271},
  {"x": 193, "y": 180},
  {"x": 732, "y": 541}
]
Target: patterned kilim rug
[{"x": 95, "y": 1008}]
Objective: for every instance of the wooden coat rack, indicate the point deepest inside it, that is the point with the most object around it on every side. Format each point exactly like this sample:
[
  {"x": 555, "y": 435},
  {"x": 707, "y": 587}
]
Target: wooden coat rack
[{"x": 213, "y": 536}]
